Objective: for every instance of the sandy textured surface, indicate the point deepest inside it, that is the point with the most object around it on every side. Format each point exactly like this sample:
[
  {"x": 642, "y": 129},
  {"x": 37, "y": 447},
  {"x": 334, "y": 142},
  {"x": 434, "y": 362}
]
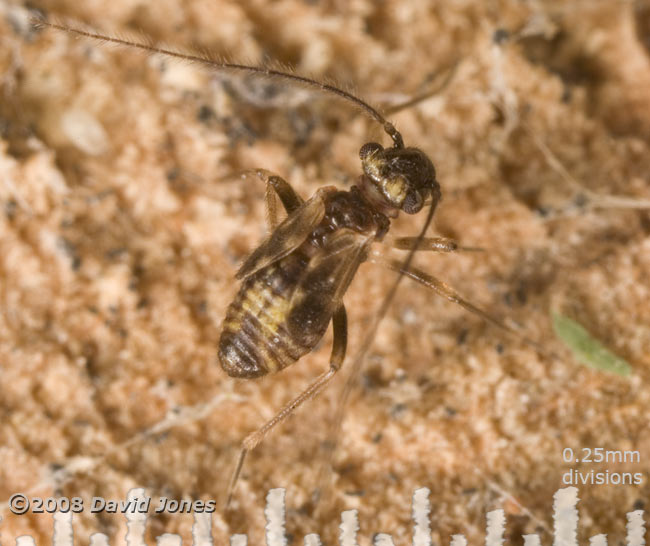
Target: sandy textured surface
[{"x": 124, "y": 217}]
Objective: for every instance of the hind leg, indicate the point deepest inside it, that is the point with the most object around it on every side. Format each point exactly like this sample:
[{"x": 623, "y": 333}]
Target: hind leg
[
  {"x": 443, "y": 289},
  {"x": 339, "y": 346}
]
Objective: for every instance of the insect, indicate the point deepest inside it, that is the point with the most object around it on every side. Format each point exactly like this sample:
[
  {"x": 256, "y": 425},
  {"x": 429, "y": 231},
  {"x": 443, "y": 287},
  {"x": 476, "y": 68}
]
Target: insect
[{"x": 293, "y": 284}]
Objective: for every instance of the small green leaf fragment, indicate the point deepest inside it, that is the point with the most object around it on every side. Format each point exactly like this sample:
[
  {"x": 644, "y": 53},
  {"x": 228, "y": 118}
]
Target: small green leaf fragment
[{"x": 587, "y": 349}]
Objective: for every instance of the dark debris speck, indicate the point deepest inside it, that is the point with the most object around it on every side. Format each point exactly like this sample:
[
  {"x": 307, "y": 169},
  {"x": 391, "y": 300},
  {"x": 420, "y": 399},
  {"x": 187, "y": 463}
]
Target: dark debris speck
[{"x": 500, "y": 36}]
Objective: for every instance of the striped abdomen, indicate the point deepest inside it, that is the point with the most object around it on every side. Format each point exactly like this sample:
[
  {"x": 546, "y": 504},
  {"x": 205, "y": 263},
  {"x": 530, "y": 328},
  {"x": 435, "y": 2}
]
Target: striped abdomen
[{"x": 265, "y": 329}]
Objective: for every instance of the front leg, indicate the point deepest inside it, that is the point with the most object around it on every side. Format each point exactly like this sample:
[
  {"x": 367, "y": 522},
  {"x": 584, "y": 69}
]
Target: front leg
[{"x": 275, "y": 185}]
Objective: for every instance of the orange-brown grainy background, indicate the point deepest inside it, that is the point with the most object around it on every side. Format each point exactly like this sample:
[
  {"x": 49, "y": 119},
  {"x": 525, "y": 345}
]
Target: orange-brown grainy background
[{"x": 124, "y": 218}]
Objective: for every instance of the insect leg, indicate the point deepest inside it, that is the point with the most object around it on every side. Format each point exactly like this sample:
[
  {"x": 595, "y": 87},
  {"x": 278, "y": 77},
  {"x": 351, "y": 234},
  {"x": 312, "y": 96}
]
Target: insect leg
[
  {"x": 288, "y": 196},
  {"x": 339, "y": 346},
  {"x": 435, "y": 244},
  {"x": 450, "y": 294}
]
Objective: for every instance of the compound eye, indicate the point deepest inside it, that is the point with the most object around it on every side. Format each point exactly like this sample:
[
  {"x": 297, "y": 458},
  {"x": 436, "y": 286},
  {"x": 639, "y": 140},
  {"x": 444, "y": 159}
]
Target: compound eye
[
  {"x": 369, "y": 148},
  {"x": 413, "y": 202}
]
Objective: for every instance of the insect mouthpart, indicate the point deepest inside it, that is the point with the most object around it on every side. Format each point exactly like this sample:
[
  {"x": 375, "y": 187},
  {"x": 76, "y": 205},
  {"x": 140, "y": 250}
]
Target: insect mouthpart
[{"x": 397, "y": 178}]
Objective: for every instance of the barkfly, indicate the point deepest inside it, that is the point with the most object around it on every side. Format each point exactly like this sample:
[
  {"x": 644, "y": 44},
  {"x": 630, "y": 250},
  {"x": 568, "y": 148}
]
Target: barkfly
[{"x": 293, "y": 283}]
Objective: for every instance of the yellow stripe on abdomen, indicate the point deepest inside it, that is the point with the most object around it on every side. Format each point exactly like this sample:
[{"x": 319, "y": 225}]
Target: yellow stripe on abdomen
[{"x": 254, "y": 340}]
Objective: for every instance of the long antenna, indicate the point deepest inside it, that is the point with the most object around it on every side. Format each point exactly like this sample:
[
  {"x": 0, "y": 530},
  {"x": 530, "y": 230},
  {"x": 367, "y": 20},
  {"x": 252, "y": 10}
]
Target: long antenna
[{"x": 389, "y": 128}]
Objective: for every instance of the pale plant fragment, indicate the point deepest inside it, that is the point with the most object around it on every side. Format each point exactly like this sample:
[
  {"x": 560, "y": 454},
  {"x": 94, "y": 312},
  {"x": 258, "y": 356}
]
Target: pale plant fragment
[{"x": 587, "y": 349}]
